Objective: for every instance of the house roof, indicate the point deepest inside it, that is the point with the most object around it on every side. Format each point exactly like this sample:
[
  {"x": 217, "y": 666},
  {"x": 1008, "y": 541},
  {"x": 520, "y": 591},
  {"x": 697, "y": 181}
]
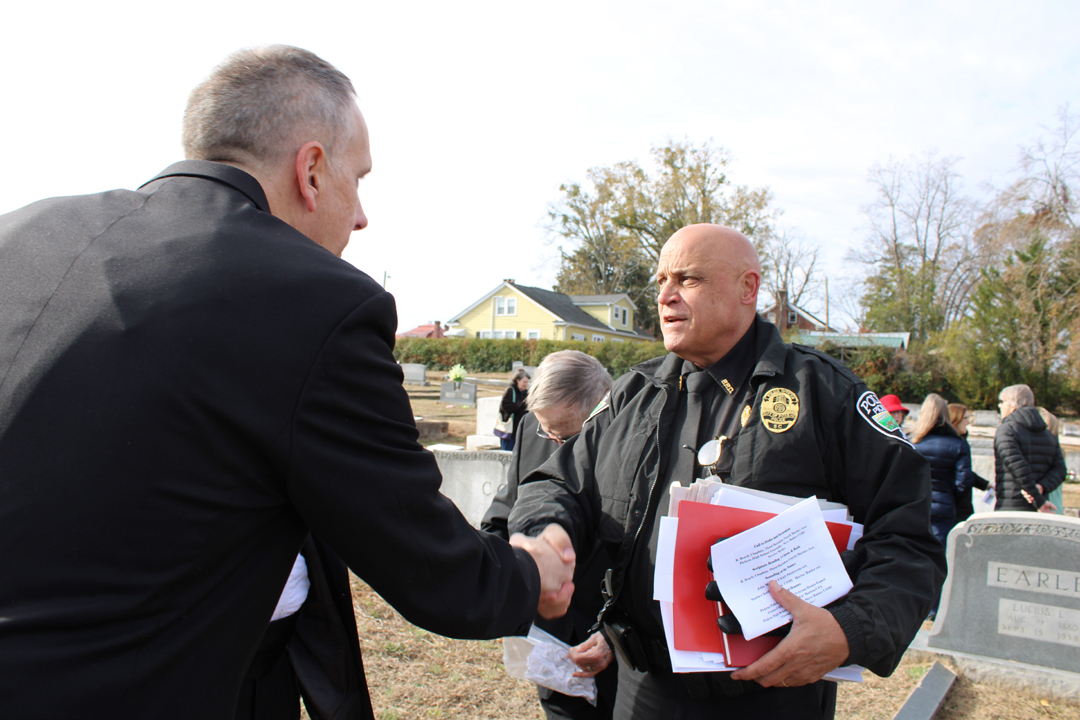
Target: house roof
[
  {"x": 561, "y": 305},
  {"x": 423, "y": 331},
  {"x": 856, "y": 340},
  {"x": 600, "y": 299},
  {"x": 796, "y": 308}
]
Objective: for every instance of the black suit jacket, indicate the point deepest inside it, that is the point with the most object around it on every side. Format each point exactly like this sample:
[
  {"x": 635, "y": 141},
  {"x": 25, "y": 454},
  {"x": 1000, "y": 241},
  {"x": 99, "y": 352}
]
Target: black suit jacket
[{"x": 188, "y": 385}]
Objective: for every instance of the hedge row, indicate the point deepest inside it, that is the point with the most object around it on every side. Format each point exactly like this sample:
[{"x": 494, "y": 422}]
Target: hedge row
[{"x": 499, "y": 355}]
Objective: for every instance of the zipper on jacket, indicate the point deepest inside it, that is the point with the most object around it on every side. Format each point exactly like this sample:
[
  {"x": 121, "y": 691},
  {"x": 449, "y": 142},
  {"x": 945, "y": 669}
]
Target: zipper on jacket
[{"x": 612, "y": 594}]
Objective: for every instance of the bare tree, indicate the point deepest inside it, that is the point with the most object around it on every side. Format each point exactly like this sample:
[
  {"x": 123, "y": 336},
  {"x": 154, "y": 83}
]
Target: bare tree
[
  {"x": 922, "y": 255},
  {"x": 789, "y": 263}
]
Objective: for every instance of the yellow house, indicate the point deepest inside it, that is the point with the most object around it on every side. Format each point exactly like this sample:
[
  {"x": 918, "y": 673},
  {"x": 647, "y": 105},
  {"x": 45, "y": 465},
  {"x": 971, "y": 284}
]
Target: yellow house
[{"x": 519, "y": 311}]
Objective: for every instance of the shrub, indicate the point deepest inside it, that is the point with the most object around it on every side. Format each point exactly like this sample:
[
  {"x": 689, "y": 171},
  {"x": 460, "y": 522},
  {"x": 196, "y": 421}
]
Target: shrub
[{"x": 499, "y": 355}]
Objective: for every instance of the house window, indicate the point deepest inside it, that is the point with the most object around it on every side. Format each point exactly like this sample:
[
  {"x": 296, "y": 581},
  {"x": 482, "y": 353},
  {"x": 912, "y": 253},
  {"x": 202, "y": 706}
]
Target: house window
[
  {"x": 576, "y": 336},
  {"x": 505, "y": 306},
  {"x": 771, "y": 317},
  {"x": 625, "y": 315},
  {"x": 598, "y": 338},
  {"x": 792, "y": 318},
  {"x": 616, "y": 339},
  {"x": 532, "y": 335},
  {"x": 485, "y": 334}
]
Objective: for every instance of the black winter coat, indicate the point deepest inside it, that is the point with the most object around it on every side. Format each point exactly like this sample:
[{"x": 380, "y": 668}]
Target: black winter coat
[
  {"x": 1025, "y": 455},
  {"x": 950, "y": 470}
]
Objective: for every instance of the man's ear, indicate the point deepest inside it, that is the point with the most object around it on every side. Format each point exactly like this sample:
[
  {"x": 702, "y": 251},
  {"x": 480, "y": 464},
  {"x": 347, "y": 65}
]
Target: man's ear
[
  {"x": 310, "y": 172},
  {"x": 748, "y": 286}
]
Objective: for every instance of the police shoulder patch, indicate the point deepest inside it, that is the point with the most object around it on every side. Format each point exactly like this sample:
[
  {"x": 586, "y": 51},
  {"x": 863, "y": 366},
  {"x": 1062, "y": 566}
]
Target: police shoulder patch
[{"x": 872, "y": 411}]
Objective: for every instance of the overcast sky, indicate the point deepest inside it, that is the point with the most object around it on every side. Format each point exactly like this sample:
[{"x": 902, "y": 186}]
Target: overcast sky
[{"x": 478, "y": 111}]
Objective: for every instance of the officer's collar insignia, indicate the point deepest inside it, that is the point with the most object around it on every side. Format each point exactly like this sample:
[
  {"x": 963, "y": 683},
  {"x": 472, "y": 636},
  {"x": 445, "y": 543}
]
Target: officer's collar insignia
[
  {"x": 872, "y": 411},
  {"x": 745, "y": 418},
  {"x": 600, "y": 406},
  {"x": 727, "y": 386},
  {"x": 779, "y": 410}
]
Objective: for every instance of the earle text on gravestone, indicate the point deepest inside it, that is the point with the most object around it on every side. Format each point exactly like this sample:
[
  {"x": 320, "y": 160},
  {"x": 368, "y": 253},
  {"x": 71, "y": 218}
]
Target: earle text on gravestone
[{"x": 1013, "y": 590}]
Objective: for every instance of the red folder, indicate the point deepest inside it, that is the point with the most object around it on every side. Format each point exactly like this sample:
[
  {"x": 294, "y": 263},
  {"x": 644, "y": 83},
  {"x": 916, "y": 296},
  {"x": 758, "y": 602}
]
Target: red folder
[{"x": 700, "y": 526}]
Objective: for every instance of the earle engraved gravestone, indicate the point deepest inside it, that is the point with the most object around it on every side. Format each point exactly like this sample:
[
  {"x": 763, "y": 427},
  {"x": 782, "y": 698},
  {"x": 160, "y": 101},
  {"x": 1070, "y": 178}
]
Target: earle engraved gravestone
[{"x": 1013, "y": 590}]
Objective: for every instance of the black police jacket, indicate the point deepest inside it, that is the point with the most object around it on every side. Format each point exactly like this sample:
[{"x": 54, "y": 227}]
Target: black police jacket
[{"x": 841, "y": 445}]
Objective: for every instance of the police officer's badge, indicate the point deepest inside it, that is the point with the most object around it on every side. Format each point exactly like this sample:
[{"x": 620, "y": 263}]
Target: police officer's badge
[
  {"x": 745, "y": 417},
  {"x": 779, "y": 409}
]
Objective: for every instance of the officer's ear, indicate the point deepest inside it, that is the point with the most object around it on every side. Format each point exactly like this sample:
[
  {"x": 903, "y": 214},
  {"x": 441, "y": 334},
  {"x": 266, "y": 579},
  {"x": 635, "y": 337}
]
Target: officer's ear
[
  {"x": 749, "y": 284},
  {"x": 310, "y": 172}
]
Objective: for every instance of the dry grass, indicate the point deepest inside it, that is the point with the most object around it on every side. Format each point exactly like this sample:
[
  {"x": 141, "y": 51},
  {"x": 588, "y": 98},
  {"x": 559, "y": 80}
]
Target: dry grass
[{"x": 414, "y": 674}]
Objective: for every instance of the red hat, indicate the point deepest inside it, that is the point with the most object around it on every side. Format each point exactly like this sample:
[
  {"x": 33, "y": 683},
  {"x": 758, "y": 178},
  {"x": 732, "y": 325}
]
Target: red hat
[{"x": 892, "y": 404}]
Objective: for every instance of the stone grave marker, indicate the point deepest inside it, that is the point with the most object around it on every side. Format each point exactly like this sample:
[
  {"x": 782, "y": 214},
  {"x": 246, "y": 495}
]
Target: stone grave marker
[
  {"x": 458, "y": 393},
  {"x": 471, "y": 479},
  {"x": 487, "y": 412},
  {"x": 415, "y": 373},
  {"x": 1013, "y": 590},
  {"x": 985, "y": 418}
]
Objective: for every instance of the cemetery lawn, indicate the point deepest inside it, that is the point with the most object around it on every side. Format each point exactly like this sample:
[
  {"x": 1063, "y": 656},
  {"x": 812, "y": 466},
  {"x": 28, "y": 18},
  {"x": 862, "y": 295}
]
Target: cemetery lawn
[
  {"x": 461, "y": 419},
  {"x": 413, "y": 674}
]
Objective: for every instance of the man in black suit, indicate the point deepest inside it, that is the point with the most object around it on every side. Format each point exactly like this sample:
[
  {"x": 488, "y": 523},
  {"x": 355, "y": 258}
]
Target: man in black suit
[{"x": 189, "y": 386}]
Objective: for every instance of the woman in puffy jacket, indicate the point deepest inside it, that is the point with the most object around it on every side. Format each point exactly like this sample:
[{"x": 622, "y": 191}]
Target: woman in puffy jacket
[{"x": 950, "y": 462}]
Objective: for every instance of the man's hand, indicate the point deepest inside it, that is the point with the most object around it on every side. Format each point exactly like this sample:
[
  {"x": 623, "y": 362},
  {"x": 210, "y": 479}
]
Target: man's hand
[
  {"x": 592, "y": 656},
  {"x": 554, "y": 556},
  {"x": 815, "y": 646}
]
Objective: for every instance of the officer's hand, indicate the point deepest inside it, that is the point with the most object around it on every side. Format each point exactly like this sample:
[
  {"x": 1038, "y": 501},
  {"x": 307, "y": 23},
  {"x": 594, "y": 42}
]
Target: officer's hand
[
  {"x": 554, "y": 556},
  {"x": 815, "y": 646},
  {"x": 592, "y": 656}
]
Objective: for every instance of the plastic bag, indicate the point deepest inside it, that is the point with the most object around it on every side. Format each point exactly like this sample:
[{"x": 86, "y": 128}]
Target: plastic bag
[{"x": 544, "y": 659}]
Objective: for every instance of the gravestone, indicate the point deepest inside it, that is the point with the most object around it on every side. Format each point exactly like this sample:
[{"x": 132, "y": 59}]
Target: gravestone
[
  {"x": 985, "y": 418},
  {"x": 1013, "y": 590},
  {"x": 487, "y": 412},
  {"x": 530, "y": 370},
  {"x": 415, "y": 373},
  {"x": 471, "y": 479},
  {"x": 458, "y": 393},
  {"x": 1070, "y": 430}
]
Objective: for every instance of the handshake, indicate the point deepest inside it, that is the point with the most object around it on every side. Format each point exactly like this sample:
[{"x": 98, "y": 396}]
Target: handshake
[{"x": 554, "y": 556}]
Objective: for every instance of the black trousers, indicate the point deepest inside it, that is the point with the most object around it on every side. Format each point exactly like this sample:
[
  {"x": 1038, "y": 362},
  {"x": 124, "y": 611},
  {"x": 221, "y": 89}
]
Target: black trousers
[
  {"x": 557, "y": 706},
  {"x": 642, "y": 696}
]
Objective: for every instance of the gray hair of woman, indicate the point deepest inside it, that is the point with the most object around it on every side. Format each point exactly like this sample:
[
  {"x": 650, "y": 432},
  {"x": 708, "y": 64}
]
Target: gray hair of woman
[
  {"x": 570, "y": 379},
  {"x": 934, "y": 412}
]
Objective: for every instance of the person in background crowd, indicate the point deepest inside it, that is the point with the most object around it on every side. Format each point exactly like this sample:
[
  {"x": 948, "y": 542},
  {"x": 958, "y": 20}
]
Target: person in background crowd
[
  {"x": 895, "y": 408},
  {"x": 1057, "y": 495},
  {"x": 1027, "y": 459},
  {"x": 950, "y": 463},
  {"x": 513, "y": 406},
  {"x": 960, "y": 417},
  {"x": 567, "y": 386}
]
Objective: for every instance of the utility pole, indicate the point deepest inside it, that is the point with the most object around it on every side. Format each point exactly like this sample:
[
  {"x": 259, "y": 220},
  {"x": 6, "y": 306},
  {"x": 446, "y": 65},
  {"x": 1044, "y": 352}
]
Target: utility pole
[{"x": 385, "y": 277}]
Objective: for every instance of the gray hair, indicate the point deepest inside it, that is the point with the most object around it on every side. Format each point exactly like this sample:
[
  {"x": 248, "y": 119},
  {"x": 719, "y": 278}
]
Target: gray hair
[
  {"x": 571, "y": 379},
  {"x": 252, "y": 107},
  {"x": 1018, "y": 396}
]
